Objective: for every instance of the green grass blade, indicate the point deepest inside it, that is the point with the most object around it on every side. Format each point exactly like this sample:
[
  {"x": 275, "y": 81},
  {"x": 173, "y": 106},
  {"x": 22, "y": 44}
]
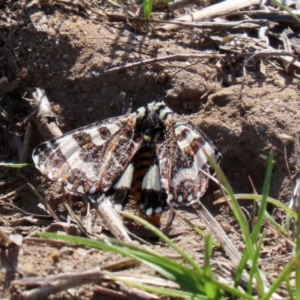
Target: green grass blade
[
  {"x": 211, "y": 289},
  {"x": 263, "y": 204},
  {"x": 164, "y": 238},
  {"x": 191, "y": 281},
  {"x": 188, "y": 279},
  {"x": 270, "y": 200},
  {"x": 16, "y": 166},
  {"x": 255, "y": 232},
  {"x": 255, "y": 269},
  {"x": 257, "y": 198},
  {"x": 285, "y": 274},
  {"x": 258, "y": 225},
  {"x": 286, "y": 9},
  {"x": 163, "y": 291},
  {"x": 147, "y": 8},
  {"x": 235, "y": 208}
]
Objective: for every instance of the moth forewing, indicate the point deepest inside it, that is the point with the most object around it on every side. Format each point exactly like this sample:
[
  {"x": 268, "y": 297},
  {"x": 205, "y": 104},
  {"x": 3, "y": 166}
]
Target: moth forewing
[{"x": 85, "y": 160}]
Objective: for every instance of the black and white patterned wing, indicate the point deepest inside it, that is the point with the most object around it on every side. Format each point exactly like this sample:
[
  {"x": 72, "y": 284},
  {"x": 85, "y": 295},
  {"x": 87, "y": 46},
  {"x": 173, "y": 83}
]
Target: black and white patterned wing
[
  {"x": 94, "y": 159},
  {"x": 182, "y": 156}
]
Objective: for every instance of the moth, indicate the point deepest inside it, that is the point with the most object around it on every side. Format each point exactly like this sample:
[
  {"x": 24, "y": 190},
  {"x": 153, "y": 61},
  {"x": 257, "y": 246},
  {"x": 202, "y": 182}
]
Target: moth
[{"x": 151, "y": 155}]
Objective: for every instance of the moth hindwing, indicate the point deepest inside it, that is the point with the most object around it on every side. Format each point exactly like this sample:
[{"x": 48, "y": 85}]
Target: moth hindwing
[{"x": 152, "y": 155}]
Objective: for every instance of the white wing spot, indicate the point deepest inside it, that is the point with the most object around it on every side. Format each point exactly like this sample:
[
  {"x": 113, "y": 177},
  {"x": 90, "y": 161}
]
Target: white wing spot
[
  {"x": 190, "y": 197},
  {"x": 151, "y": 180},
  {"x": 149, "y": 211},
  {"x": 92, "y": 189},
  {"x": 158, "y": 210},
  {"x": 69, "y": 186},
  {"x": 80, "y": 189},
  {"x": 126, "y": 178},
  {"x": 141, "y": 112}
]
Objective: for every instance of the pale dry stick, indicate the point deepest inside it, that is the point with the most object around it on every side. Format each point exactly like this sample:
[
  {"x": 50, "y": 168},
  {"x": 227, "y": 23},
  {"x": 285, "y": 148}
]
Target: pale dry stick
[
  {"x": 45, "y": 118},
  {"x": 275, "y": 16},
  {"x": 213, "y": 11},
  {"x": 56, "y": 283},
  {"x": 113, "y": 221},
  {"x": 287, "y": 47}
]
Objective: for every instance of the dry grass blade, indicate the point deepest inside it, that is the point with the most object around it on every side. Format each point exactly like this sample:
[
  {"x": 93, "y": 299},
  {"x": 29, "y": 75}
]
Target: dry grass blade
[
  {"x": 75, "y": 218},
  {"x": 147, "y": 279},
  {"x": 122, "y": 264},
  {"x": 215, "y": 227},
  {"x": 134, "y": 293},
  {"x": 43, "y": 201},
  {"x": 26, "y": 141},
  {"x": 107, "y": 292}
]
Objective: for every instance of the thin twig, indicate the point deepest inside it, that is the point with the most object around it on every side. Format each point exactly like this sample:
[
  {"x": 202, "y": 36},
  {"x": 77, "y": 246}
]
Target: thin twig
[{"x": 269, "y": 52}]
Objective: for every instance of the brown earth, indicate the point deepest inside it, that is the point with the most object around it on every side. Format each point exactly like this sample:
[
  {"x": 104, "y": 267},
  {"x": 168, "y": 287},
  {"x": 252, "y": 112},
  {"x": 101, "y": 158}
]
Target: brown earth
[{"x": 69, "y": 50}]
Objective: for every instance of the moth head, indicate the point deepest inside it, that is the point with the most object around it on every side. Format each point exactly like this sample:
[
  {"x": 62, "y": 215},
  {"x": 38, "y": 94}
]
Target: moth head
[{"x": 147, "y": 138}]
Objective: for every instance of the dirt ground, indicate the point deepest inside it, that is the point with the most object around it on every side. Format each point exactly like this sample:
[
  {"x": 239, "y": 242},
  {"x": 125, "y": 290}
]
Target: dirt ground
[{"x": 69, "y": 49}]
